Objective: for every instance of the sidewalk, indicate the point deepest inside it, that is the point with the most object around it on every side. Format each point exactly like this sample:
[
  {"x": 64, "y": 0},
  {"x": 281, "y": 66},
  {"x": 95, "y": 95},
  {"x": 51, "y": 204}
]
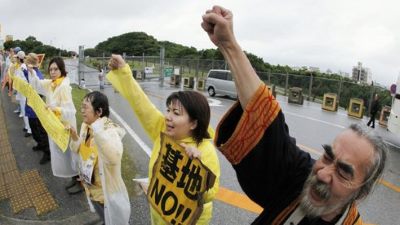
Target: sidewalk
[{"x": 29, "y": 193}]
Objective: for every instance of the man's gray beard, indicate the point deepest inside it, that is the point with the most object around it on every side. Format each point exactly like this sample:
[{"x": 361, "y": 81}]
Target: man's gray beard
[{"x": 324, "y": 193}]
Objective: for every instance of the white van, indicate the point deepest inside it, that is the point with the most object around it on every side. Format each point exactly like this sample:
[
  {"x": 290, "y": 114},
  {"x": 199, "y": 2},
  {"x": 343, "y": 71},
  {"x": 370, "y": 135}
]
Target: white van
[{"x": 220, "y": 82}]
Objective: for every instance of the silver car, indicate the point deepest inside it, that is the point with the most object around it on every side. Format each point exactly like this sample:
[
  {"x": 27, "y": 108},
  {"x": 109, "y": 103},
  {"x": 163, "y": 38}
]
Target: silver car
[{"x": 220, "y": 82}]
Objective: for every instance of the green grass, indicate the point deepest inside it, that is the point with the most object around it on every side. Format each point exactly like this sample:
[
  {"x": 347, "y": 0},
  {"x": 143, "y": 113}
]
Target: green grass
[
  {"x": 129, "y": 171},
  {"x": 77, "y": 97}
]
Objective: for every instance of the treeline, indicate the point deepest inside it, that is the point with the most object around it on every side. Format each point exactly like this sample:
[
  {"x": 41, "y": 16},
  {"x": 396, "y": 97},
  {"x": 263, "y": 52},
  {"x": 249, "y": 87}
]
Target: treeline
[
  {"x": 140, "y": 43},
  {"x": 31, "y": 44}
]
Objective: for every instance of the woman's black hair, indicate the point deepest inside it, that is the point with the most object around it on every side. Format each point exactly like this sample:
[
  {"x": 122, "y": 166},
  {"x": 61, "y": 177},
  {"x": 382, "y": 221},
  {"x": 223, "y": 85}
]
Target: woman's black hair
[
  {"x": 196, "y": 105},
  {"x": 98, "y": 101},
  {"x": 60, "y": 64}
]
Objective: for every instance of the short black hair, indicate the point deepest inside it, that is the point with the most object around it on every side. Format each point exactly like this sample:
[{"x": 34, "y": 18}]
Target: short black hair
[
  {"x": 98, "y": 101},
  {"x": 196, "y": 105}
]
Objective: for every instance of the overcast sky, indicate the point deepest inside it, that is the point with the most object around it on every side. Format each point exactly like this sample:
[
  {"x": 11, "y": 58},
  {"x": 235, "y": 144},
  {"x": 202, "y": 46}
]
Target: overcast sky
[{"x": 329, "y": 34}]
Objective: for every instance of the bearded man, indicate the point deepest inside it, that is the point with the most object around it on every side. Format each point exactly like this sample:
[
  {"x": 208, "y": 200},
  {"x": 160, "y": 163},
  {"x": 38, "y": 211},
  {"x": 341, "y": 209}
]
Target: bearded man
[{"x": 291, "y": 187}]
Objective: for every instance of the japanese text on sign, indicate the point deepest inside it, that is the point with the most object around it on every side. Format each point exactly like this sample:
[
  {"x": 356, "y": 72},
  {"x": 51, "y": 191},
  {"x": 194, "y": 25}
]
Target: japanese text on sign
[{"x": 178, "y": 183}]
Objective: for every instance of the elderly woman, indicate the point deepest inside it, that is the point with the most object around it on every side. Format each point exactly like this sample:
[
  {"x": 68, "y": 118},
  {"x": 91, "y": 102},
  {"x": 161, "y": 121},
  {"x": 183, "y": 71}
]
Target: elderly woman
[{"x": 100, "y": 149}]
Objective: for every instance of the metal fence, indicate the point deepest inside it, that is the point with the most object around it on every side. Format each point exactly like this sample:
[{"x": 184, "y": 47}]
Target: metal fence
[{"x": 313, "y": 87}]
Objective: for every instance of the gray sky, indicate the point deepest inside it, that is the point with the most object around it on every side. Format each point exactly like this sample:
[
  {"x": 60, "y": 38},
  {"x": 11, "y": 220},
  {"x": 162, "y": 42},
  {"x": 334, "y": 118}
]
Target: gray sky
[{"x": 330, "y": 34}]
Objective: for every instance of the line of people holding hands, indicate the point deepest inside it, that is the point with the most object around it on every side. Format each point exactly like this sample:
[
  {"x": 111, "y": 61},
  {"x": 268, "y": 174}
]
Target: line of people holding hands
[{"x": 290, "y": 186}]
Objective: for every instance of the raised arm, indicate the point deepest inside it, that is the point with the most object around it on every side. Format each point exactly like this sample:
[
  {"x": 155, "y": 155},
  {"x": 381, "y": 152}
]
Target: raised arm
[
  {"x": 39, "y": 85},
  {"x": 151, "y": 119},
  {"x": 218, "y": 24},
  {"x": 253, "y": 136}
]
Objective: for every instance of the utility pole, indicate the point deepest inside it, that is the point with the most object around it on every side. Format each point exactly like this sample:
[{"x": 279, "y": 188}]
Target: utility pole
[
  {"x": 286, "y": 83},
  {"x": 269, "y": 78},
  {"x": 310, "y": 87},
  {"x": 162, "y": 55},
  {"x": 80, "y": 63},
  {"x": 104, "y": 61},
  {"x": 143, "y": 65},
  {"x": 340, "y": 88}
]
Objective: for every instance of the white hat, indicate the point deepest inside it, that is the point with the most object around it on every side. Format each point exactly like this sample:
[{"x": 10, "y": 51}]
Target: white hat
[{"x": 21, "y": 55}]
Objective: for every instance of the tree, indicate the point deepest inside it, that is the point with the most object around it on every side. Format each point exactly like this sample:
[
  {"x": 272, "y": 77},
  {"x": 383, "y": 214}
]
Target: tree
[
  {"x": 92, "y": 52},
  {"x": 257, "y": 62},
  {"x": 30, "y": 44},
  {"x": 133, "y": 43}
]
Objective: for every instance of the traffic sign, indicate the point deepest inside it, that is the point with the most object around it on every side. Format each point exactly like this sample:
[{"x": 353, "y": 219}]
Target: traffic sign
[{"x": 168, "y": 72}]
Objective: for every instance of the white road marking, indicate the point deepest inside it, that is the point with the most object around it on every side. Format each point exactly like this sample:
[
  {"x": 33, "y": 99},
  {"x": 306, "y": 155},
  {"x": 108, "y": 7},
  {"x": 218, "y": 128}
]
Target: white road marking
[
  {"x": 214, "y": 102},
  {"x": 313, "y": 119},
  {"x": 133, "y": 134},
  {"x": 391, "y": 144},
  {"x": 128, "y": 129}
]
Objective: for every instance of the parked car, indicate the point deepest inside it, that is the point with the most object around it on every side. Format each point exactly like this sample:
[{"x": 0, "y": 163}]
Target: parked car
[{"x": 220, "y": 82}]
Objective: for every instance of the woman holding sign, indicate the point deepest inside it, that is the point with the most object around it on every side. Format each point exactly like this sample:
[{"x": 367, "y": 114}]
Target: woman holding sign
[
  {"x": 57, "y": 91},
  {"x": 39, "y": 134},
  {"x": 99, "y": 146},
  {"x": 186, "y": 120}
]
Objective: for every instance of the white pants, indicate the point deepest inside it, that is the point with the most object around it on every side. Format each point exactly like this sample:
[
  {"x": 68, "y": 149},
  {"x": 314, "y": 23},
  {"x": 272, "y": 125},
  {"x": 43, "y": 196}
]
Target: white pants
[{"x": 22, "y": 102}]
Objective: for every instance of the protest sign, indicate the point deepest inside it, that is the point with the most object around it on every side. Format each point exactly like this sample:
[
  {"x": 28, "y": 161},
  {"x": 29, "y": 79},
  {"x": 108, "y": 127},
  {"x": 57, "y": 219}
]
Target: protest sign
[
  {"x": 53, "y": 126},
  {"x": 178, "y": 183}
]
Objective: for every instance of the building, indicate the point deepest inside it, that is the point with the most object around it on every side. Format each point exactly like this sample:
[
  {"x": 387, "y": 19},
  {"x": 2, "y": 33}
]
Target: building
[
  {"x": 9, "y": 38},
  {"x": 361, "y": 74},
  {"x": 343, "y": 74}
]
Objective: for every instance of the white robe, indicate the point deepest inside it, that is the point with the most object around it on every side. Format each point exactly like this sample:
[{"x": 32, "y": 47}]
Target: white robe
[
  {"x": 19, "y": 73},
  {"x": 63, "y": 164},
  {"x": 108, "y": 140}
]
